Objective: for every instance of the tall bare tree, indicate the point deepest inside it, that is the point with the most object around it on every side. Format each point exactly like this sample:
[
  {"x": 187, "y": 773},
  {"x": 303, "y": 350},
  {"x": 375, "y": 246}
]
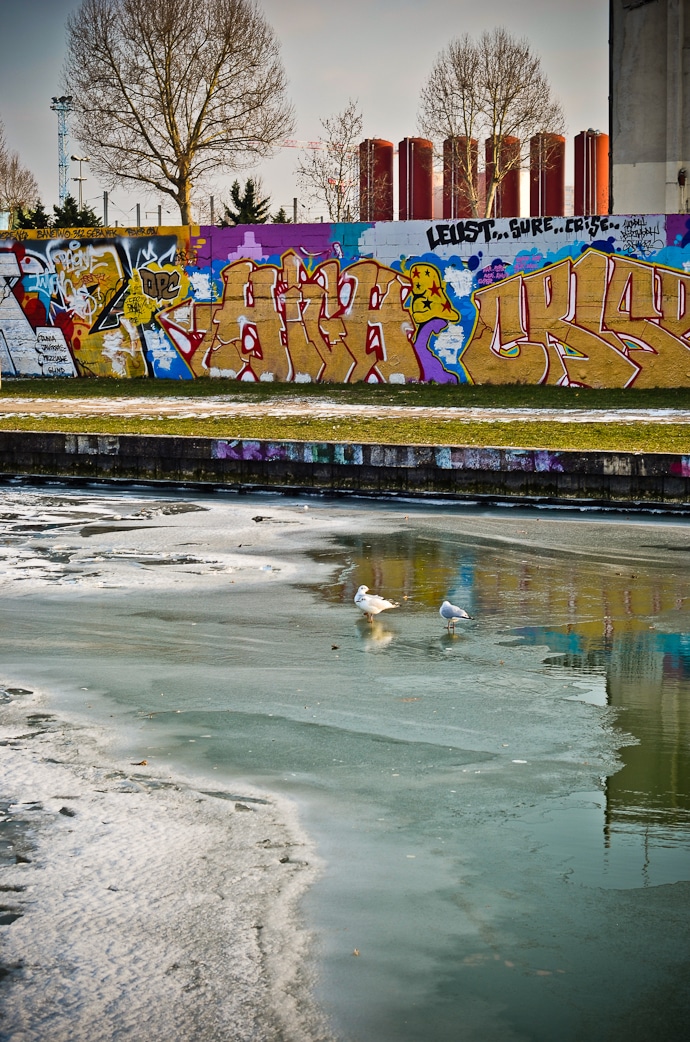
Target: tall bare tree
[
  {"x": 168, "y": 94},
  {"x": 451, "y": 108},
  {"x": 493, "y": 88},
  {"x": 18, "y": 188},
  {"x": 330, "y": 174}
]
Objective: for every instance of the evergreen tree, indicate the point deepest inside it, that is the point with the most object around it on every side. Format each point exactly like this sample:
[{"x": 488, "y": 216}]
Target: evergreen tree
[
  {"x": 248, "y": 209},
  {"x": 70, "y": 216},
  {"x": 281, "y": 217},
  {"x": 36, "y": 218}
]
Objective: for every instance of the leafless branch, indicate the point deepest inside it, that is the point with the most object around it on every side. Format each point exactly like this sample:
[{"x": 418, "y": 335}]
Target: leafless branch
[
  {"x": 166, "y": 93},
  {"x": 330, "y": 174},
  {"x": 18, "y": 188},
  {"x": 490, "y": 89}
]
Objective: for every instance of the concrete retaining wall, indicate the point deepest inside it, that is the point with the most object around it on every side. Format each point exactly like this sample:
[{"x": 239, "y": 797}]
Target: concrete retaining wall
[{"x": 617, "y": 478}]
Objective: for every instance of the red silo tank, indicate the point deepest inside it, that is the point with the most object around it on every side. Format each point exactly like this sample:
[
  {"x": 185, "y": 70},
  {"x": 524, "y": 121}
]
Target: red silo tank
[
  {"x": 460, "y": 155},
  {"x": 507, "y": 196},
  {"x": 591, "y": 173},
  {"x": 547, "y": 175},
  {"x": 415, "y": 179},
  {"x": 376, "y": 180}
]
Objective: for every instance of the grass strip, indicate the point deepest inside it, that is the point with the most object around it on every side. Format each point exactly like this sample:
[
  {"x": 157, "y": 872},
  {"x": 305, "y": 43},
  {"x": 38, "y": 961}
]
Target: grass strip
[
  {"x": 584, "y": 437},
  {"x": 430, "y": 395}
]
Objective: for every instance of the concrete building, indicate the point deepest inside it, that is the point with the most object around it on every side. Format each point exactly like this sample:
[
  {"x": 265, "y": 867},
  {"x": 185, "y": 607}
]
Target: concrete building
[{"x": 649, "y": 106}]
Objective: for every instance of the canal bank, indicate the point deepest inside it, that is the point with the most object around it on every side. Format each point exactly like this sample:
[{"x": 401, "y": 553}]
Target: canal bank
[{"x": 628, "y": 480}]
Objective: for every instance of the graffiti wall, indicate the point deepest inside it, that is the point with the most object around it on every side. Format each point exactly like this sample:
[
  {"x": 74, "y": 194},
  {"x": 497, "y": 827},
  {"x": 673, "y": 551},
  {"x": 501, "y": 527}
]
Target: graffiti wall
[{"x": 573, "y": 301}]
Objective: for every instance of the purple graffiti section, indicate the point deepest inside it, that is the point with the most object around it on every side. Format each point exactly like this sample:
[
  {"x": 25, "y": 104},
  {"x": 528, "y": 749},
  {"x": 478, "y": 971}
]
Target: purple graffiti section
[{"x": 432, "y": 368}]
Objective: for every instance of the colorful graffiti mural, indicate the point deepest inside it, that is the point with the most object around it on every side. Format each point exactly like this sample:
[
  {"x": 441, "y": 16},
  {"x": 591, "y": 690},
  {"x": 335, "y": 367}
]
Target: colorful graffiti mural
[{"x": 597, "y": 301}]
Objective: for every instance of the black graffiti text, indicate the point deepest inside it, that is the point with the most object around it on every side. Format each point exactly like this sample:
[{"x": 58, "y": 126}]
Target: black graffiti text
[{"x": 492, "y": 230}]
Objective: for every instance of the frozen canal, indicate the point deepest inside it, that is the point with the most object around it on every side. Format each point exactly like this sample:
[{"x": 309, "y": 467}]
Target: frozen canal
[{"x": 494, "y": 825}]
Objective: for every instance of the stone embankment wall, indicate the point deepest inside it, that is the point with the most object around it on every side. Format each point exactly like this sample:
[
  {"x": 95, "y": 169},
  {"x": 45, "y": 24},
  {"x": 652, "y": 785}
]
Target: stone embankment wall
[
  {"x": 613, "y": 478},
  {"x": 597, "y": 301}
]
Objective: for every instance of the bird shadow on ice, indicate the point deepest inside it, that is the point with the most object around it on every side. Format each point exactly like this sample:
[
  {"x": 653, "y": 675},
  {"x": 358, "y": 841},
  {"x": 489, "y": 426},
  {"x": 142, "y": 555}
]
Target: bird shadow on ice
[
  {"x": 377, "y": 636},
  {"x": 374, "y": 634},
  {"x": 450, "y": 637}
]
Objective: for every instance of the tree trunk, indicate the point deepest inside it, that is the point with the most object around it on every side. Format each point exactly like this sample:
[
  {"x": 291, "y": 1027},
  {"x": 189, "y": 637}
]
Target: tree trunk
[{"x": 184, "y": 202}]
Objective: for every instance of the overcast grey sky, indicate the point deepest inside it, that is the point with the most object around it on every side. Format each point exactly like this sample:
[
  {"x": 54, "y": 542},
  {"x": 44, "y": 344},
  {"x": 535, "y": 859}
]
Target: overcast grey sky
[{"x": 378, "y": 51}]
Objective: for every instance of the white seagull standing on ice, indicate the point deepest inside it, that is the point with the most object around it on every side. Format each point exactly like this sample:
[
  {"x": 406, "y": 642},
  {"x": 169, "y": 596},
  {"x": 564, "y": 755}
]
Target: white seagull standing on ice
[
  {"x": 450, "y": 613},
  {"x": 370, "y": 604}
]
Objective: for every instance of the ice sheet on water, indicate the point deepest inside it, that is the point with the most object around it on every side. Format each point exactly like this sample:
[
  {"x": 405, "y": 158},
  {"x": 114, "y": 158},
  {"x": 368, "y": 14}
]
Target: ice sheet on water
[
  {"x": 111, "y": 539},
  {"x": 127, "y": 892}
]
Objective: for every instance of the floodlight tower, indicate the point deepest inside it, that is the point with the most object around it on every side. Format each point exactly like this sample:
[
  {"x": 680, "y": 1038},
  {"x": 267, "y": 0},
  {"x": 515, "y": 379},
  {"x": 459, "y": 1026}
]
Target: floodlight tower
[{"x": 63, "y": 107}]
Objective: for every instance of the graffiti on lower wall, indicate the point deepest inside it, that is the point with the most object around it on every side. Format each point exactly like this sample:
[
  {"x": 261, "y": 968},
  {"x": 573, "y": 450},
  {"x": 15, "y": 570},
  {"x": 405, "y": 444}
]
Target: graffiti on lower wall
[
  {"x": 597, "y": 321},
  {"x": 298, "y": 322},
  {"x": 597, "y": 302}
]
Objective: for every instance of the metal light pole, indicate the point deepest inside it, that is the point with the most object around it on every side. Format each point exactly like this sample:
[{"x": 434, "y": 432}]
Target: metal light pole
[
  {"x": 63, "y": 107},
  {"x": 80, "y": 179}
]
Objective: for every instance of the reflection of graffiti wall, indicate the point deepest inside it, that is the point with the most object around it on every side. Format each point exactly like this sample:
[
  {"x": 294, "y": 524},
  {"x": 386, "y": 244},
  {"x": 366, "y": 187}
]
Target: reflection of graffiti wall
[{"x": 598, "y": 301}]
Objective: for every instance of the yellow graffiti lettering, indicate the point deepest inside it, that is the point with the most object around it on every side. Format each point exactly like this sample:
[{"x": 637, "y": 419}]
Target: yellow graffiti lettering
[
  {"x": 290, "y": 323},
  {"x": 161, "y": 284},
  {"x": 379, "y": 332},
  {"x": 264, "y": 343},
  {"x": 90, "y": 280},
  {"x": 222, "y": 347},
  {"x": 499, "y": 351},
  {"x": 306, "y": 360},
  {"x": 585, "y": 357},
  {"x": 632, "y": 310},
  {"x": 138, "y": 307},
  {"x": 599, "y": 321},
  {"x": 324, "y": 325}
]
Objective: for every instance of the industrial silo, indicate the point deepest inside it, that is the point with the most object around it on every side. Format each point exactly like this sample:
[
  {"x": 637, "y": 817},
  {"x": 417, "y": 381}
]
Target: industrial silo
[
  {"x": 460, "y": 165},
  {"x": 376, "y": 180},
  {"x": 547, "y": 175},
  {"x": 415, "y": 179},
  {"x": 507, "y": 197},
  {"x": 591, "y": 173}
]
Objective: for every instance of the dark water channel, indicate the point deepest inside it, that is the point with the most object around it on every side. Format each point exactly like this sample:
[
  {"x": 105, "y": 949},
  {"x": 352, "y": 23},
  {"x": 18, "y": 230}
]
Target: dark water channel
[
  {"x": 503, "y": 813},
  {"x": 530, "y": 881}
]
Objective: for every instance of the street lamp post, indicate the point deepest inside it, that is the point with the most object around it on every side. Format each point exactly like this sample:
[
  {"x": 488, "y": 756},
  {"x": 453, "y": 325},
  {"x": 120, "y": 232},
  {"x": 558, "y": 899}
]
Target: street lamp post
[{"x": 80, "y": 179}]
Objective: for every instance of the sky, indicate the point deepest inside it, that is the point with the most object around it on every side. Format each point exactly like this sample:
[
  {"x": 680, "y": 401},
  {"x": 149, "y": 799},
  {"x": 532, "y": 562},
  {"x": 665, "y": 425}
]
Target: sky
[{"x": 378, "y": 52}]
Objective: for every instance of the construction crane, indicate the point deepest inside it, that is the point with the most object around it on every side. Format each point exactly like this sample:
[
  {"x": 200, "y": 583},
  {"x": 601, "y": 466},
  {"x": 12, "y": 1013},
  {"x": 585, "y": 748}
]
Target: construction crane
[
  {"x": 63, "y": 107},
  {"x": 292, "y": 142},
  {"x": 316, "y": 146}
]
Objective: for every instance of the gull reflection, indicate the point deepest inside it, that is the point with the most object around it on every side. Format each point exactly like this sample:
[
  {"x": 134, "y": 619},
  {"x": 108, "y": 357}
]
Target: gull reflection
[{"x": 374, "y": 634}]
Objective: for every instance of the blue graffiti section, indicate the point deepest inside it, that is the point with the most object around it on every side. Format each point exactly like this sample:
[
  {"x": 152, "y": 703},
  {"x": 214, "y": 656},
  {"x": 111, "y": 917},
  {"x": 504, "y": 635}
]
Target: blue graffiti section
[{"x": 585, "y": 653}]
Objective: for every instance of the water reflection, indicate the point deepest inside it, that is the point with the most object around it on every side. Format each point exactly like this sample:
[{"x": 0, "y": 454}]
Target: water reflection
[
  {"x": 646, "y": 678},
  {"x": 619, "y": 634},
  {"x": 375, "y": 634}
]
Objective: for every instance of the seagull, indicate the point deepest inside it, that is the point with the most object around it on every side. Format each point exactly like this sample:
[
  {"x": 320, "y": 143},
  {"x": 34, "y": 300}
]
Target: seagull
[
  {"x": 370, "y": 604},
  {"x": 451, "y": 613}
]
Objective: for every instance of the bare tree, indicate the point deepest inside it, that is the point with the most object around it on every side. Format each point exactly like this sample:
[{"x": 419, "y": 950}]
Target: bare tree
[
  {"x": 167, "y": 94},
  {"x": 330, "y": 174},
  {"x": 18, "y": 188},
  {"x": 494, "y": 89},
  {"x": 451, "y": 108}
]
